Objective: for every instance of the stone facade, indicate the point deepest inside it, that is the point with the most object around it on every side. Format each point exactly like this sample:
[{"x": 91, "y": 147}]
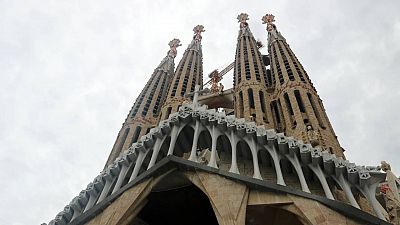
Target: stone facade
[{"x": 277, "y": 160}]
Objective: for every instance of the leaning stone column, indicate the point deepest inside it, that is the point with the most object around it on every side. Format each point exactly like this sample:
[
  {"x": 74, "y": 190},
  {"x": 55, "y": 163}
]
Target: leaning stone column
[
  {"x": 156, "y": 150},
  {"x": 214, "y": 136},
  {"x": 234, "y": 167},
  {"x": 174, "y": 136},
  {"x": 253, "y": 147},
  {"x": 193, "y": 156},
  {"x": 277, "y": 159}
]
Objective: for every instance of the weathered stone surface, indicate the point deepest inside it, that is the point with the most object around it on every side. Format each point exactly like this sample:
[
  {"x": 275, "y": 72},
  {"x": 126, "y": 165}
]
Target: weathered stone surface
[
  {"x": 257, "y": 197},
  {"x": 125, "y": 207},
  {"x": 228, "y": 198}
]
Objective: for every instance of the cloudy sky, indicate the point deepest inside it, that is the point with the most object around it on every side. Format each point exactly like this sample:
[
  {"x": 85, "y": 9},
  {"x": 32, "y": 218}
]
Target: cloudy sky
[{"x": 71, "y": 70}]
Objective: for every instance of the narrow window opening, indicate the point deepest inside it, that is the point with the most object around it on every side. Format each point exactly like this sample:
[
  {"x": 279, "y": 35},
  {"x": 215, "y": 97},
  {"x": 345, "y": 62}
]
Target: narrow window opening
[
  {"x": 251, "y": 98},
  {"x": 316, "y": 112},
  {"x": 136, "y": 135},
  {"x": 299, "y": 101},
  {"x": 240, "y": 104},
  {"x": 288, "y": 105},
  {"x": 261, "y": 94}
]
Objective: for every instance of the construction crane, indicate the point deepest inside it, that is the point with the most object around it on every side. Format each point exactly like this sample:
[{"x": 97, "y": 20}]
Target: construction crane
[{"x": 216, "y": 77}]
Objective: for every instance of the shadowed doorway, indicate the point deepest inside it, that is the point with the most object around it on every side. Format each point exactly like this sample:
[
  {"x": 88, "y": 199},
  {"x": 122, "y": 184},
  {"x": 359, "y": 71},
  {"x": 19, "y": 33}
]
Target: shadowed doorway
[{"x": 178, "y": 206}]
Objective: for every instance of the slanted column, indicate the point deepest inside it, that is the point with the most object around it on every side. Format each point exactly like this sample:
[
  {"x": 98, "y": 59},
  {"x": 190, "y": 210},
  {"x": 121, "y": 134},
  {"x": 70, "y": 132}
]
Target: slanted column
[
  {"x": 368, "y": 185},
  {"x": 139, "y": 161},
  {"x": 234, "y": 167},
  {"x": 322, "y": 179},
  {"x": 174, "y": 136},
  {"x": 193, "y": 156},
  {"x": 156, "y": 150},
  {"x": 121, "y": 178},
  {"x": 213, "y": 159},
  {"x": 296, "y": 164},
  {"x": 94, "y": 190},
  {"x": 110, "y": 176},
  {"x": 317, "y": 159},
  {"x": 277, "y": 159},
  {"x": 253, "y": 147},
  {"x": 369, "y": 192},
  {"x": 124, "y": 168},
  {"x": 291, "y": 155},
  {"x": 344, "y": 184},
  {"x": 78, "y": 204}
]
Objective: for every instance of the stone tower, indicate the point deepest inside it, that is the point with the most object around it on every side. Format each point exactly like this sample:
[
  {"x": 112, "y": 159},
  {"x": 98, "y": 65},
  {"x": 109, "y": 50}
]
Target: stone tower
[
  {"x": 274, "y": 162},
  {"x": 251, "y": 84},
  {"x": 144, "y": 113},
  {"x": 188, "y": 73},
  {"x": 297, "y": 109}
]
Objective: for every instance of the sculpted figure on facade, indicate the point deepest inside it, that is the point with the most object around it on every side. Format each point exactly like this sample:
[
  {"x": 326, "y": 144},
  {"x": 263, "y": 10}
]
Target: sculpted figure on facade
[{"x": 312, "y": 135}]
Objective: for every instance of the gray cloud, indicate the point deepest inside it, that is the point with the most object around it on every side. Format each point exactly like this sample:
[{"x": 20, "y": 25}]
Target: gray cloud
[{"x": 71, "y": 70}]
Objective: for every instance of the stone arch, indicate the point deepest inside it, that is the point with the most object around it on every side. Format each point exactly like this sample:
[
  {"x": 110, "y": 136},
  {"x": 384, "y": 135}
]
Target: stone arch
[
  {"x": 174, "y": 200},
  {"x": 203, "y": 150},
  {"x": 164, "y": 148},
  {"x": 244, "y": 158},
  {"x": 290, "y": 175},
  {"x": 183, "y": 144},
  {"x": 267, "y": 167},
  {"x": 224, "y": 150},
  {"x": 313, "y": 182}
]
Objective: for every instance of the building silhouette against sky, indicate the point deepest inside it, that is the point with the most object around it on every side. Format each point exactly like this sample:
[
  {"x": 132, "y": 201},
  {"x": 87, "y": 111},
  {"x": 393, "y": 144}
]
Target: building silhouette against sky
[{"x": 261, "y": 152}]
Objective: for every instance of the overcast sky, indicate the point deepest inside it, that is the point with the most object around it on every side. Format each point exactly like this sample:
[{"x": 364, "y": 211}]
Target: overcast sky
[{"x": 71, "y": 70}]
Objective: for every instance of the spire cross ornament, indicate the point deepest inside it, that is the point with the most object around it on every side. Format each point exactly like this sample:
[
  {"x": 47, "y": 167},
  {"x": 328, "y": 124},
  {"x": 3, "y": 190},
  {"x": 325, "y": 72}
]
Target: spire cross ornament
[
  {"x": 197, "y": 32},
  {"x": 268, "y": 19},
  {"x": 196, "y": 93},
  {"x": 242, "y": 18},
  {"x": 173, "y": 45}
]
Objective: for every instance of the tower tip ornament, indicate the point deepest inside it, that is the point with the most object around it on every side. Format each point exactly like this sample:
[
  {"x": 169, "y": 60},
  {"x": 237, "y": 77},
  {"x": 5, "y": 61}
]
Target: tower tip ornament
[
  {"x": 173, "y": 45},
  {"x": 197, "y": 32},
  {"x": 269, "y": 19},
  {"x": 242, "y": 18}
]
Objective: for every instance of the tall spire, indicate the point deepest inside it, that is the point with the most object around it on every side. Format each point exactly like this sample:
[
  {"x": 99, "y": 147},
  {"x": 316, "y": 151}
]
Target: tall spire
[
  {"x": 297, "y": 109},
  {"x": 188, "y": 74},
  {"x": 144, "y": 113},
  {"x": 250, "y": 78}
]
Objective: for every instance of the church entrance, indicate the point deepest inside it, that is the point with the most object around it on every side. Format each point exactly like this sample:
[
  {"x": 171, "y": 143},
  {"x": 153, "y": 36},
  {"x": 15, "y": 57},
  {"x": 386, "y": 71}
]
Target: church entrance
[{"x": 178, "y": 206}]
